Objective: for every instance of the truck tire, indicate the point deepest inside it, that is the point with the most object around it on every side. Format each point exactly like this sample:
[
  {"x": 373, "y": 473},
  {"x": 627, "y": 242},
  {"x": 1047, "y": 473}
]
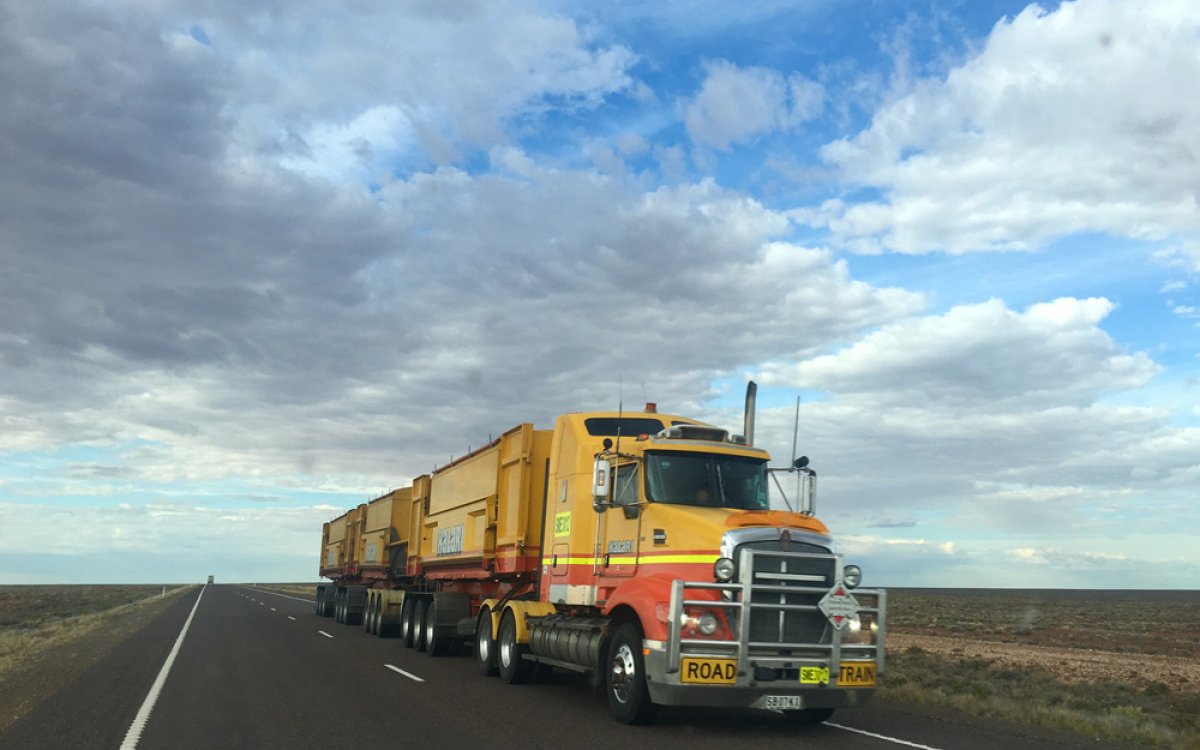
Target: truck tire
[
  {"x": 406, "y": 621},
  {"x": 418, "y": 625},
  {"x": 387, "y": 624},
  {"x": 373, "y": 626},
  {"x": 369, "y": 614},
  {"x": 435, "y": 645},
  {"x": 809, "y": 715},
  {"x": 326, "y": 599},
  {"x": 513, "y": 668},
  {"x": 339, "y": 606},
  {"x": 628, "y": 696},
  {"x": 354, "y": 599},
  {"x": 485, "y": 644}
]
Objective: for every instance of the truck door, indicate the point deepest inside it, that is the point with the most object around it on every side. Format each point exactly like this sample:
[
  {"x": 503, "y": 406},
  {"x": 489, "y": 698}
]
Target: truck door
[
  {"x": 617, "y": 553},
  {"x": 566, "y": 577}
]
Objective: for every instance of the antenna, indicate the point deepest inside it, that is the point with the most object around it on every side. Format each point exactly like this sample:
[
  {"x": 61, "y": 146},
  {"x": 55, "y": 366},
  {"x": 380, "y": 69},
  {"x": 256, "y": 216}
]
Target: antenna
[
  {"x": 620, "y": 419},
  {"x": 795, "y": 429},
  {"x": 795, "y": 433}
]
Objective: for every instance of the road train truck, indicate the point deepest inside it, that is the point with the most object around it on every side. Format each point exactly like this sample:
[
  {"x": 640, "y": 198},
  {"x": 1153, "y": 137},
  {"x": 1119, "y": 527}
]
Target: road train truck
[{"x": 639, "y": 548}]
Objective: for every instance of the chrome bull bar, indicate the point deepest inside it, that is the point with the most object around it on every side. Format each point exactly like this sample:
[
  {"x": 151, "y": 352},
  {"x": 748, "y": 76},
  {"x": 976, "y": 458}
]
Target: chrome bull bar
[{"x": 763, "y": 572}]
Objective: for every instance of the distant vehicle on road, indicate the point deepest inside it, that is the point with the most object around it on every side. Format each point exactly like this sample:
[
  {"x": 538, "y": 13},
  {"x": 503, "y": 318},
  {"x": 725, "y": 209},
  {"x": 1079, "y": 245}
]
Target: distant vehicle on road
[{"x": 210, "y": 580}]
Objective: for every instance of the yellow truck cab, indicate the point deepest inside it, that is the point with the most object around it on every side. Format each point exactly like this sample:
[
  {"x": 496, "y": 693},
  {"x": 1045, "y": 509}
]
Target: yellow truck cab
[{"x": 660, "y": 534}]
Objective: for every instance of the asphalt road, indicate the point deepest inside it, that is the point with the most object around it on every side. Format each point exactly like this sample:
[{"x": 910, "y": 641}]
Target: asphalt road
[{"x": 260, "y": 670}]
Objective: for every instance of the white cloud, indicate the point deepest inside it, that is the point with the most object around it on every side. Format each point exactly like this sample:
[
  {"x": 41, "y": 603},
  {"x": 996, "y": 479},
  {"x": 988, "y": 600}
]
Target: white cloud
[
  {"x": 1185, "y": 255},
  {"x": 356, "y": 92},
  {"x": 735, "y": 104},
  {"x": 1066, "y": 121},
  {"x": 1053, "y": 354},
  {"x": 988, "y": 421},
  {"x": 1060, "y": 559}
]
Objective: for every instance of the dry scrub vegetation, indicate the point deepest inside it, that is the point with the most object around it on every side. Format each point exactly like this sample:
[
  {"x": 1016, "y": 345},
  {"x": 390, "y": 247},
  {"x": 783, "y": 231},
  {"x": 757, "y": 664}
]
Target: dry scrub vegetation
[
  {"x": 1117, "y": 665},
  {"x": 35, "y": 618}
]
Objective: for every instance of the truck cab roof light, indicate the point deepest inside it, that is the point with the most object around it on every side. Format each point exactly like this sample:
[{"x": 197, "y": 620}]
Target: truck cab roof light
[{"x": 694, "y": 432}]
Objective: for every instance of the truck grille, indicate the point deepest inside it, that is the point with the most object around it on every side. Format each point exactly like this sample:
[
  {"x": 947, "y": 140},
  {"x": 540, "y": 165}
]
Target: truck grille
[{"x": 809, "y": 576}]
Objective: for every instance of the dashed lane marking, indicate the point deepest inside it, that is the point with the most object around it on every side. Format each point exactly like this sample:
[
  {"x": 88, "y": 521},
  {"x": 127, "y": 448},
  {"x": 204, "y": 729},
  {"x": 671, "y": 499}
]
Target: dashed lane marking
[
  {"x": 285, "y": 596},
  {"x": 322, "y": 632},
  {"x": 409, "y": 675},
  {"x": 291, "y": 618},
  {"x": 883, "y": 737},
  {"x": 143, "y": 715}
]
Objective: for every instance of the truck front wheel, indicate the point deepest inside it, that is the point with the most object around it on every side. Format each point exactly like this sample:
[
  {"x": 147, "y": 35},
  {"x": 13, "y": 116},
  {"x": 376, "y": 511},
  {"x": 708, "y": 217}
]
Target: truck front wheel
[
  {"x": 628, "y": 697},
  {"x": 513, "y": 668}
]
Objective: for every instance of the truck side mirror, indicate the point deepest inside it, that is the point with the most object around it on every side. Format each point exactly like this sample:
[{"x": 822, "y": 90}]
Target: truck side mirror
[{"x": 600, "y": 489}]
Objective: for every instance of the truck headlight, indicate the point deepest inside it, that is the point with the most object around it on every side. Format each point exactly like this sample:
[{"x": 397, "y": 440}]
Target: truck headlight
[
  {"x": 852, "y": 575},
  {"x": 699, "y": 620},
  {"x": 861, "y": 628},
  {"x": 723, "y": 569}
]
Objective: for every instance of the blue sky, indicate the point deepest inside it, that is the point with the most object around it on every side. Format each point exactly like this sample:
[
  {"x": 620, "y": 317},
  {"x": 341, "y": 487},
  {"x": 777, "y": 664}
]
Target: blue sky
[{"x": 262, "y": 265}]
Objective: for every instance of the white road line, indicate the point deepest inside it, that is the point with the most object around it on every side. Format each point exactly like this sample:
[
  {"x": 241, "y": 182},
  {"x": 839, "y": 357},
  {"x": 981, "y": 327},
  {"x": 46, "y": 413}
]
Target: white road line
[
  {"x": 272, "y": 609},
  {"x": 409, "y": 675},
  {"x": 139, "y": 721},
  {"x": 883, "y": 737},
  {"x": 322, "y": 632},
  {"x": 262, "y": 604},
  {"x": 291, "y": 618},
  {"x": 285, "y": 596}
]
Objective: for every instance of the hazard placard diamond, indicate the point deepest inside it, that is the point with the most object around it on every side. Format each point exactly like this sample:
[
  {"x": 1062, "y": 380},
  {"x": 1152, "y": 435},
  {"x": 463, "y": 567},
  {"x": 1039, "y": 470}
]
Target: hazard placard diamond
[{"x": 839, "y": 605}]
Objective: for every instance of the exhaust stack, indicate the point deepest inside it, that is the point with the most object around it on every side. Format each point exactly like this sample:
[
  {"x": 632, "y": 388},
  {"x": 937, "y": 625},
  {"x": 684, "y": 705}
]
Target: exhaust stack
[{"x": 748, "y": 417}]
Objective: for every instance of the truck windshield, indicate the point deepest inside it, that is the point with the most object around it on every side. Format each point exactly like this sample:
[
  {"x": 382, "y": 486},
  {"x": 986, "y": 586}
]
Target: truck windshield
[{"x": 707, "y": 479}]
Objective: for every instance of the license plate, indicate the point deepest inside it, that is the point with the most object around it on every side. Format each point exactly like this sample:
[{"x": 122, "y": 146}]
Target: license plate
[
  {"x": 814, "y": 675},
  {"x": 700, "y": 671},
  {"x": 782, "y": 702},
  {"x": 857, "y": 674}
]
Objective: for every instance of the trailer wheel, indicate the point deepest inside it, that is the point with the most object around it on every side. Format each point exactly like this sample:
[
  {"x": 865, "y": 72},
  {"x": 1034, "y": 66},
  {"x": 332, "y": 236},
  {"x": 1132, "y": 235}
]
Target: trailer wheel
[
  {"x": 513, "y": 669},
  {"x": 809, "y": 715},
  {"x": 377, "y": 615},
  {"x": 406, "y": 621},
  {"x": 325, "y": 600},
  {"x": 485, "y": 644},
  {"x": 628, "y": 697},
  {"x": 434, "y": 645},
  {"x": 368, "y": 619},
  {"x": 339, "y": 606},
  {"x": 418, "y": 625}
]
